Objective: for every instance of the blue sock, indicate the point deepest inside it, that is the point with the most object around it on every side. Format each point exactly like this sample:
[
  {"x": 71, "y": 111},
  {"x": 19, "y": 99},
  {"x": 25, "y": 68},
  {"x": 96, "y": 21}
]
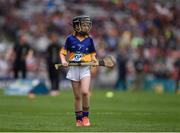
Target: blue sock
[
  {"x": 85, "y": 114},
  {"x": 85, "y": 111},
  {"x": 79, "y": 115}
]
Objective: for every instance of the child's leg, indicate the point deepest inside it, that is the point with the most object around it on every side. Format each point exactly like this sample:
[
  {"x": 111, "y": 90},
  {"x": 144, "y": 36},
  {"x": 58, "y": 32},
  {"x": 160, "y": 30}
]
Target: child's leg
[
  {"x": 85, "y": 84},
  {"x": 77, "y": 95},
  {"x": 77, "y": 102}
]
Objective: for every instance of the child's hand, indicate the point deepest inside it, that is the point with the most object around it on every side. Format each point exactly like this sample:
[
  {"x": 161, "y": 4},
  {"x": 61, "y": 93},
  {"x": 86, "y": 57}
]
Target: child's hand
[
  {"x": 95, "y": 61},
  {"x": 65, "y": 63}
]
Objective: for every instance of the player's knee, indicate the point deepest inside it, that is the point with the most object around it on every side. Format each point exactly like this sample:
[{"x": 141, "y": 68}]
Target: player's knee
[
  {"x": 85, "y": 94},
  {"x": 77, "y": 98}
]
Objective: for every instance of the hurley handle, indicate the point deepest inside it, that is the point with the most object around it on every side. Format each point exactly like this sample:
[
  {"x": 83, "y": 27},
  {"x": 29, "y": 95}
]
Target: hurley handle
[{"x": 57, "y": 66}]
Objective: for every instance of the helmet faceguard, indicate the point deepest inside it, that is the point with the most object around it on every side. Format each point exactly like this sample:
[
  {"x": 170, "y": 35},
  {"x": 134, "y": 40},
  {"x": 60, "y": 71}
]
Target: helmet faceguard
[{"x": 82, "y": 24}]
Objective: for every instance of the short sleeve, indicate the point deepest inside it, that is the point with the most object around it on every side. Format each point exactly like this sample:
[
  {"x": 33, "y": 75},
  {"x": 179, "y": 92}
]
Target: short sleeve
[
  {"x": 92, "y": 48},
  {"x": 64, "y": 49}
]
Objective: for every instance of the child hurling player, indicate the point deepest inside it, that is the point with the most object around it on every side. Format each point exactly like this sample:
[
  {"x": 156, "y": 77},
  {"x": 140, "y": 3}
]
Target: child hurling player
[{"x": 80, "y": 48}]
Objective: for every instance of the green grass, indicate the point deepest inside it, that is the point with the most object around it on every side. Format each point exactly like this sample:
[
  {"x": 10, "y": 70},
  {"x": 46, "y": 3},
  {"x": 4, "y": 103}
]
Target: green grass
[{"x": 126, "y": 111}]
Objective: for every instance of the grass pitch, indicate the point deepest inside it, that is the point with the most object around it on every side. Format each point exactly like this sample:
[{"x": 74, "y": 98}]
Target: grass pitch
[{"x": 126, "y": 111}]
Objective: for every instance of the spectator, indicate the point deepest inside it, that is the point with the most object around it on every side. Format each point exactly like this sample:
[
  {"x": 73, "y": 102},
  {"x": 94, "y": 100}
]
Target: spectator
[
  {"x": 52, "y": 59},
  {"x": 121, "y": 82},
  {"x": 21, "y": 50},
  {"x": 139, "y": 70},
  {"x": 177, "y": 75}
]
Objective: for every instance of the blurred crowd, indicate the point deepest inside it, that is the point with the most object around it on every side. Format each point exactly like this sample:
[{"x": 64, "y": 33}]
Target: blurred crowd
[{"x": 143, "y": 35}]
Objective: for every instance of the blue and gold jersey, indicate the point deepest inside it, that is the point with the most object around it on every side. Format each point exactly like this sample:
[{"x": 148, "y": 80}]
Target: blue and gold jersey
[{"x": 79, "y": 50}]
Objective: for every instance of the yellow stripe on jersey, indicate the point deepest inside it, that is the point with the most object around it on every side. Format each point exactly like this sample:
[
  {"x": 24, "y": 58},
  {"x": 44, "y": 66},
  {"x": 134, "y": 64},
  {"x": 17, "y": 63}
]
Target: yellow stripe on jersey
[
  {"x": 63, "y": 51},
  {"x": 84, "y": 58}
]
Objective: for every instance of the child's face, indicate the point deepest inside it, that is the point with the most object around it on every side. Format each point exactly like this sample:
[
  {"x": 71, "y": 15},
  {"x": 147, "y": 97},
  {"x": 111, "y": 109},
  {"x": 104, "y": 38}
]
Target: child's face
[{"x": 86, "y": 26}]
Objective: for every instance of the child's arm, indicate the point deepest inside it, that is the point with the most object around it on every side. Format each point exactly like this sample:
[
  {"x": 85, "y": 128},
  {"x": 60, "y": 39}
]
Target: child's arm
[
  {"x": 93, "y": 52},
  {"x": 94, "y": 59},
  {"x": 63, "y": 60},
  {"x": 62, "y": 53}
]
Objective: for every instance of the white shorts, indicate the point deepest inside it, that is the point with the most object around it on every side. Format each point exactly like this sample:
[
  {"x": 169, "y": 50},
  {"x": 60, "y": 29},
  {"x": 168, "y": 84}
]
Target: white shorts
[{"x": 76, "y": 73}]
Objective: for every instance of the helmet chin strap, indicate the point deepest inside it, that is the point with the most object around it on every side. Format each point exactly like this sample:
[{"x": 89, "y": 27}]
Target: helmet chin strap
[{"x": 83, "y": 33}]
